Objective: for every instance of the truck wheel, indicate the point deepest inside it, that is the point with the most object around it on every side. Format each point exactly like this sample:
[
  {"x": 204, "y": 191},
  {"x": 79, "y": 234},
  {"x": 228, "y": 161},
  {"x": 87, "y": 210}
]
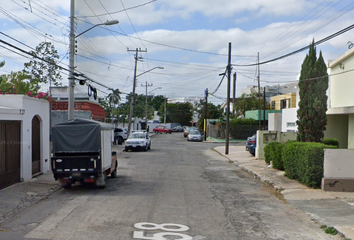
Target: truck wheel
[
  {"x": 120, "y": 140},
  {"x": 114, "y": 173},
  {"x": 149, "y": 147},
  {"x": 145, "y": 148}
]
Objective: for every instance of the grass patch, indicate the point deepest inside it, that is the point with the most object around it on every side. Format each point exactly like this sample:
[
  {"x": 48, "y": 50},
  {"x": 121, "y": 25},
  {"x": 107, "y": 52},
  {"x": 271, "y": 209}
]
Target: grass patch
[{"x": 329, "y": 230}]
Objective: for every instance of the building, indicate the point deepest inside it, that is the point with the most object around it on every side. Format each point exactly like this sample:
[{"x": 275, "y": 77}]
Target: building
[
  {"x": 86, "y": 104},
  {"x": 340, "y": 114},
  {"x": 24, "y": 138}
]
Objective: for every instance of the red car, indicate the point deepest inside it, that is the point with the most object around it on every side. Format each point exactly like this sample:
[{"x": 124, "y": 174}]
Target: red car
[{"x": 162, "y": 129}]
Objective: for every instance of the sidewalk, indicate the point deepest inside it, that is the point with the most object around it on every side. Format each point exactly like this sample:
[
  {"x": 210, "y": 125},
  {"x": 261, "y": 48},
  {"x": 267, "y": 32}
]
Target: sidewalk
[
  {"x": 333, "y": 209},
  {"x": 18, "y": 197}
]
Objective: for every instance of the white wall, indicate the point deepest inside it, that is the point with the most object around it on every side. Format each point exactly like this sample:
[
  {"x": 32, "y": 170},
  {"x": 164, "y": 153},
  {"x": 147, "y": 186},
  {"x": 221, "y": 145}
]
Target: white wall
[
  {"x": 289, "y": 116},
  {"x": 274, "y": 121},
  {"x": 338, "y": 163},
  {"x": 31, "y": 107}
]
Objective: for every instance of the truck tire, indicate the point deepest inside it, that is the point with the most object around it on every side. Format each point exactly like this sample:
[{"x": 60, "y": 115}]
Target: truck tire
[
  {"x": 149, "y": 147},
  {"x": 120, "y": 140},
  {"x": 114, "y": 173}
]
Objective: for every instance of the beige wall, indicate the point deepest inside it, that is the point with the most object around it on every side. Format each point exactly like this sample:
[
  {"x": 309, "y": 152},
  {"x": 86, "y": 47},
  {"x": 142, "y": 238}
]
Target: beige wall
[
  {"x": 277, "y": 99},
  {"x": 341, "y": 81},
  {"x": 351, "y": 131},
  {"x": 337, "y": 127}
]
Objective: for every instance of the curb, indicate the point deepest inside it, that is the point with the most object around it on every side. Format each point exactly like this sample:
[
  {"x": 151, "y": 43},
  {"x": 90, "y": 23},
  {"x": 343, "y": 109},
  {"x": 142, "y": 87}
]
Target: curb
[{"x": 278, "y": 190}]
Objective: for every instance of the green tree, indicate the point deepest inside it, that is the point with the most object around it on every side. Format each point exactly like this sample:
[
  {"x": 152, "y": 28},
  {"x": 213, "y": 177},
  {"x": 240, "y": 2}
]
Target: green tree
[
  {"x": 43, "y": 71},
  {"x": 214, "y": 112},
  {"x": 157, "y": 101},
  {"x": 177, "y": 113},
  {"x": 313, "y": 84},
  {"x": 248, "y": 103}
]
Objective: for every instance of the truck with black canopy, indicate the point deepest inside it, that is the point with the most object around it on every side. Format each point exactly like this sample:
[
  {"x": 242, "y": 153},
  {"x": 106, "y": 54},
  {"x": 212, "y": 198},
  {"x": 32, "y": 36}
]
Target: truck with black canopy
[{"x": 82, "y": 152}]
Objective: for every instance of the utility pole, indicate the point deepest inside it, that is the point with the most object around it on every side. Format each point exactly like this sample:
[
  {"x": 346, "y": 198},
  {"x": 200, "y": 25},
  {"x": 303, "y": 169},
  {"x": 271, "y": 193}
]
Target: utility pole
[
  {"x": 228, "y": 102},
  {"x": 137, "y": 50},
  {"x": 234, "y": 95},
  {"x": 146, "y": 101},
  {"x": 164, "y": 119},
  {"x": 264, "y": 108},
  {"x": 206, "y": 115},
  {"x": 259, "y": 97},
  {"x": 71, "y": 101}
]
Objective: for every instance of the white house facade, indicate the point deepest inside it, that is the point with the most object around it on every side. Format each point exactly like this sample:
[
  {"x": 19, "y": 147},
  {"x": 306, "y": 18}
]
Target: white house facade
[{"x": 25, "y": 133}]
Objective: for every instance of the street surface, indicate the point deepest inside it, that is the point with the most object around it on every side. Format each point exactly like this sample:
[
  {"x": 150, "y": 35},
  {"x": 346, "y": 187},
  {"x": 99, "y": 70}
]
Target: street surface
[{"x": 177, "y": 190}]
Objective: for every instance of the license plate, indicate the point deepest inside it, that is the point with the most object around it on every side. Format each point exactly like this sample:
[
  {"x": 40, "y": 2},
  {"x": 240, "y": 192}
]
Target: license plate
[{"x": 76, "y": 174}]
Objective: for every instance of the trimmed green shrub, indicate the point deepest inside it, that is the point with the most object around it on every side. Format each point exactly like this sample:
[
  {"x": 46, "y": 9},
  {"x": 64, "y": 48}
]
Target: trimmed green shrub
[
  {"x": 276, "y": 155},
  {"x": 273, "y": 152},
  {"x": 304, "y": 161},
  {"x": 267, "y": 153},
  {"x": 331, "y": 141}
]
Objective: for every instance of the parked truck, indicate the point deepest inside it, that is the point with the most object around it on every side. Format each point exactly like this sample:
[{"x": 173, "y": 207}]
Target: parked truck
[{"x": 82, "y": 151}]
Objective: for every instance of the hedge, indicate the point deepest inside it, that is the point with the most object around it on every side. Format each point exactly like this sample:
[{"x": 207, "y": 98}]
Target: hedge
[
  {"x": 304, "y": 161},
  {"x": 273, "y": 152},
  {"x": 331, "y": 141}
]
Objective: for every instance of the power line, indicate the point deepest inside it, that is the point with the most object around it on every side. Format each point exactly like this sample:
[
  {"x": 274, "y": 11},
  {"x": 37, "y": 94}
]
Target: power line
[{"x": 299, "y": 50}]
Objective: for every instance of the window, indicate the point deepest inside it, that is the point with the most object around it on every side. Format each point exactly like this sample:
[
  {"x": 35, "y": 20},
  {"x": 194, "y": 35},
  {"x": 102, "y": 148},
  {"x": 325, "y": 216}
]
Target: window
[
  {"x": 273, "y": 104},
  {"x": 283, "y": 104},
  {"x": 290, "y": 124}
]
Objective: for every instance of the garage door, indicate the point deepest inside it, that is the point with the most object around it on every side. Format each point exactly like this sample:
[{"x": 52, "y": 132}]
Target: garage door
[{"x": 10, "y": 149}]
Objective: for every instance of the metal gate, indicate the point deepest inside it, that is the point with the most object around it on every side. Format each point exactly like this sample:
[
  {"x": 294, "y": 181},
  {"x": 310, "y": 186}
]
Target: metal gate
[
  {"x": 36, "y": 145},
  {"x": 10, "y": 150}
]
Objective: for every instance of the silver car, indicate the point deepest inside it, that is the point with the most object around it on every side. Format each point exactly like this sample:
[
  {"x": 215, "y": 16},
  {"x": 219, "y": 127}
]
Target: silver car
[{"x": 194, "y": 135}]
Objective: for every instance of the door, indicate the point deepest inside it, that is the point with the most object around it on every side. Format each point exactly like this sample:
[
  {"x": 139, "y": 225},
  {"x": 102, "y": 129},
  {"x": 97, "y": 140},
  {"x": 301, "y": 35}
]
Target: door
[
  {"x": 36, "y": 145},
  {"x": 10, "y": 150}
]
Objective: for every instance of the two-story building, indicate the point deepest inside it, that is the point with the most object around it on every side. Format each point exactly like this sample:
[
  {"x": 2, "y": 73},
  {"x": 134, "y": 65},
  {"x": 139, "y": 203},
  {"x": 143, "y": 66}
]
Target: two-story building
[{"x": 340, "y": 114}]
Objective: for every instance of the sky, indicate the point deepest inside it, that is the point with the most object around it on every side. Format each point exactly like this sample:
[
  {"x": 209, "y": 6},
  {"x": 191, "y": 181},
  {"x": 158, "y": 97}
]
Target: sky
[{"x": 189, "y": 39}]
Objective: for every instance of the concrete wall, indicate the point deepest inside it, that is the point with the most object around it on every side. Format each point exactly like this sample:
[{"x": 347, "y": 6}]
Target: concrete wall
[
  {"x": 274, "y": 121},
  {"x": 338, "y": 174},
  {"x": 32, "y": 107},
  {"x": 341, "y": 81},
  {"x": 266, "y": 137},
  {"x": 351, "y": 131},
  {"x": 337, "y": 127}
]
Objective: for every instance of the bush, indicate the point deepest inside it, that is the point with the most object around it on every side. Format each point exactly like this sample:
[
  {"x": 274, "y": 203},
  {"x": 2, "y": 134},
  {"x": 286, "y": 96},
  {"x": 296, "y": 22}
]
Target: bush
[
  {"x": 273, "y": 152},
  {"x": 277, "y": 161},
  {"x": 267, "y": 153},
  {"x": 304, "y": 161},
  {"x": 331, "y": 141}
]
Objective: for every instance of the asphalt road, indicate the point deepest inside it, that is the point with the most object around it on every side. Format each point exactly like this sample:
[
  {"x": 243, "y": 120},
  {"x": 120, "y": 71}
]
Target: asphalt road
[{"x": 177, "y": 190}]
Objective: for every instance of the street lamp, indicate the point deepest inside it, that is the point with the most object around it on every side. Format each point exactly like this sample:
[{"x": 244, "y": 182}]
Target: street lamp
[
  {"x": 132, "y": 98},
  {"x": 155, "y": 89},
  {"x": 146, "y": 101},
  {"x": 71, "y": 104}
]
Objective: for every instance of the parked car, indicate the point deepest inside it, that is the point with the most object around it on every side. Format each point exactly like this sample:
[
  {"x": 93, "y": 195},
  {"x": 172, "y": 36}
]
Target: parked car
[
  {"x": 194, "y": 135},
  {"x": 187, "y": 130},
  {"x": 251, "y": 144},
  {"x": 120, "y": 135},
  {"x": 162, "y": 129},
  {"x": 138, "y": 140},
  {"x": 177, "y": 129}
]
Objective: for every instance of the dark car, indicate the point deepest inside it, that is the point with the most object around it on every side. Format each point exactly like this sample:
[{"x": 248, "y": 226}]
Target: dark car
[{"x": 251, "y": 144}]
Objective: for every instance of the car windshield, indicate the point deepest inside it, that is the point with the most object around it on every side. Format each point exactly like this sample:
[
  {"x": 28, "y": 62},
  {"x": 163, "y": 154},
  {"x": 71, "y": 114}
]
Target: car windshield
[
  {"x": 194, "y": 132},
  {"x": 138, "y": 135}
]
